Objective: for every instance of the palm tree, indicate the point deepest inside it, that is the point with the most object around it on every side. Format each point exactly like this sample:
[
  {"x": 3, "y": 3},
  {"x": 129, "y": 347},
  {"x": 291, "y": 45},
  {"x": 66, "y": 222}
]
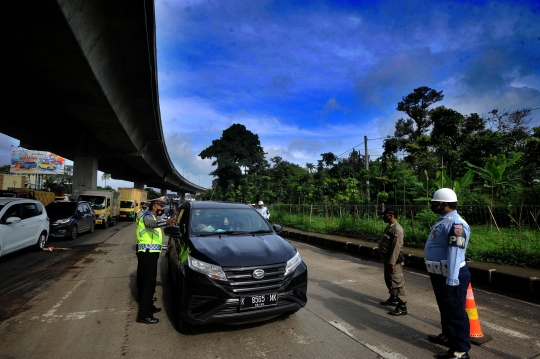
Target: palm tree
[
  {"x": 105, "y": 177},
  {"x": 310, "y": 167}
]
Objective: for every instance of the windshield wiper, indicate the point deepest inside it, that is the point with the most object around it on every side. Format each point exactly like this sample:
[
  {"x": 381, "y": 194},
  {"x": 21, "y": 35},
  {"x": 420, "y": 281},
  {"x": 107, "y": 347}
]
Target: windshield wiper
[
  {"x": 207, "y": 234},
  {"x": 260, "y": 231}
]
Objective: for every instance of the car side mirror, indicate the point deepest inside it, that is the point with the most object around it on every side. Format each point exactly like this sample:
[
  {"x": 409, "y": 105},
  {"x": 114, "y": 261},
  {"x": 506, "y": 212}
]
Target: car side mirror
[
  {"x": 173, "y": 231},
  {"x": 277, "y": 228},
  {"x": 11, "y": 220}
]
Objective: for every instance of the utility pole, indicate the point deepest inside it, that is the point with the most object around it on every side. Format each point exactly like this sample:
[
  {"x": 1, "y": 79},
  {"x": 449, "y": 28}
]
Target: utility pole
[{"x": 367, "y": 168}]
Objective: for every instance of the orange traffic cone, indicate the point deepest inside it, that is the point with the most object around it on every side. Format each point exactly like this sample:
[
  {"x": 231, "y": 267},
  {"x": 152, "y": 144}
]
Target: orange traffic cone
[{"x": 477, "y": 337}]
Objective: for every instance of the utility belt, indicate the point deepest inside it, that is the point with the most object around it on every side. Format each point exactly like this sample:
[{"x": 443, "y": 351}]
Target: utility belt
[
  {"x": 149, "y": 247},
  {"x": 440, "y": 267}
]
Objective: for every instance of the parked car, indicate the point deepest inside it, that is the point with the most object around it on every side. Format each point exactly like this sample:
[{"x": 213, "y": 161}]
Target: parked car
[
  {"x": 68, "y": 219},
  {"x": 228, "y": 265},
  {"x": 23, "y": 223}
]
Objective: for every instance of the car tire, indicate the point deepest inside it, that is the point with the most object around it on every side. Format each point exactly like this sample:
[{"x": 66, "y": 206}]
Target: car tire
[
  {"x": 41, "y": 241},
  {"x": 113, "y": 221},
  {"x": 74, "y": 232},
  {"x": 181, "y": 325},
  {"x": 92, "y": 227},
  {"x": 106, "y": 224}
]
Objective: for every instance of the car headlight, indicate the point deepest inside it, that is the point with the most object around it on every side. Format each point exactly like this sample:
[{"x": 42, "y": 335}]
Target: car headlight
[
  {"x": 293, "y": 263},
  {"x": 62, "y": 221},
  {"x": 101, "y": 216},
  {"x": 211, "y": 270}
]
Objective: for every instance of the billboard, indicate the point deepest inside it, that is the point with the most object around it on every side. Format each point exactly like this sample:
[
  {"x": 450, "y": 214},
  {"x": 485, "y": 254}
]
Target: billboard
[{"x": 36, "y": 162}]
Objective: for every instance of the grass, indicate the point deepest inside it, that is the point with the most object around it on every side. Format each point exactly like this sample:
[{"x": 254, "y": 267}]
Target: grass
[{"x": 512, "y": 246}]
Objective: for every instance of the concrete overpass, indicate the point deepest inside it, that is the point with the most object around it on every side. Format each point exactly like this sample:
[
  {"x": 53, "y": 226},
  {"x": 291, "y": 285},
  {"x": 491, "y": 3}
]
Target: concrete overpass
[{"x": 80, "y": 80}]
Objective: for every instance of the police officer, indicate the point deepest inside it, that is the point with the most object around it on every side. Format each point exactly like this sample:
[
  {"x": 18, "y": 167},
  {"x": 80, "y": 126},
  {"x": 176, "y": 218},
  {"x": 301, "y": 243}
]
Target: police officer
[
  {"x": 450, "y": 277},
  {"x": 263, "y": 210},
  {"x": 390, "y": 247},
  {"x": 144, "y": 207},
  {"x": 149, "y": 238}
]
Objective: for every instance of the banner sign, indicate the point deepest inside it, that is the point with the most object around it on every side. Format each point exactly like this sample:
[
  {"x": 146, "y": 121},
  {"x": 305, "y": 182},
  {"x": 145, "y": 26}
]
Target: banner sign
[{"x": 36, "y": 162}]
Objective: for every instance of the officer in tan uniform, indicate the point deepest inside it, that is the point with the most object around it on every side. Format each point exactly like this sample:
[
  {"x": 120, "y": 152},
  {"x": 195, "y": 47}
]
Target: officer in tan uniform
[{"x": 392, "y": 257}]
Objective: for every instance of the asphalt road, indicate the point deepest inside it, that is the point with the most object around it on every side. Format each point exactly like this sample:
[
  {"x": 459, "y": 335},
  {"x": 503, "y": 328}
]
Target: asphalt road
[{"x": 80, "y": 304}]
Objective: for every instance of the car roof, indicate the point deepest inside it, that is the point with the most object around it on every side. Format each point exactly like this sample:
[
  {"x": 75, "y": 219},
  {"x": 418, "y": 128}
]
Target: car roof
[
  {"x": 215, "y": 204},
  {"x": 6, "y": 200}
]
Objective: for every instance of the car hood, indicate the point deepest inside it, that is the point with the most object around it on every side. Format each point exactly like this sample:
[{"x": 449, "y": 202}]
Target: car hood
[{"x": 242, "y": 250}]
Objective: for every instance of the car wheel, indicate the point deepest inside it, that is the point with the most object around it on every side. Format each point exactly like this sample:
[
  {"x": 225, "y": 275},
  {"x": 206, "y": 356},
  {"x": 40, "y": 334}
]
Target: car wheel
[
  {"x": 106, "y": 224},
  {"x": 181, "y": 325},
  {"x": 113, "y": 221},
  {"x": 74, "y": 232},
  {"x": 92, "y": 227},
  {"x": 41, "y": 241}
]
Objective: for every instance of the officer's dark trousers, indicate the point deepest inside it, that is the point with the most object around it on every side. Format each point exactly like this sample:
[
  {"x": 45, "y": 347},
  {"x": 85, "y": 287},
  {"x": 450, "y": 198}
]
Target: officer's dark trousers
[
  {"x": 451, "y": 302},
  {"x": 146, "y": 282}
]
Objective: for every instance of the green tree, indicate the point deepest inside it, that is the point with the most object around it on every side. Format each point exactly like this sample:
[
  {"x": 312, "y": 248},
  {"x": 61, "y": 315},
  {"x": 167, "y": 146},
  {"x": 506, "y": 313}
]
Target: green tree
[
  {"x": 411, "y": 134},
  {"x": 60, "y": 183},
  {"x": 152, "y": 193},
  {"x": 237, "y": 152},
  {"x": 5, "y": 169},
  {"x": 105, "y": 177}
]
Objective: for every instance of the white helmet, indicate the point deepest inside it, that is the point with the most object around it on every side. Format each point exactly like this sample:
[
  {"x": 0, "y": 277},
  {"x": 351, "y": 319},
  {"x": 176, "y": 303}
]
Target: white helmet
[
  {"x": 261, "y": 203},
  {"x": 444, "y": 195}
]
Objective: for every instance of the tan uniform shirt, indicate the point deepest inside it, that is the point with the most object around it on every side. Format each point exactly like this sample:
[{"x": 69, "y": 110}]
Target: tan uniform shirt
[{"x": 388, "y": 250}]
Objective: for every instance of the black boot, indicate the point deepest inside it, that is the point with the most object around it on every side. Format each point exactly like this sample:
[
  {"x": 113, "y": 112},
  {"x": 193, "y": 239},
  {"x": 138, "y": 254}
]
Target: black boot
[
  {"x": 390, "y": 301},
  {"x": 401, "y": 309}
]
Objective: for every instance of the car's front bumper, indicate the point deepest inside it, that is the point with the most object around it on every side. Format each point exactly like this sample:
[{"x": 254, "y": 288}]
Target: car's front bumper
[
  {"x": 205, "y": 301},
  {"x": 60, "y": 230}
]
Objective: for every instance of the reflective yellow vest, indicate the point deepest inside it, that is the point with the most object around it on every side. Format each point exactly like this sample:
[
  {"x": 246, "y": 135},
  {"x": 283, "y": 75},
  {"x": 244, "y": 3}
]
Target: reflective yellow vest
[{"x": 148, "y": 238}]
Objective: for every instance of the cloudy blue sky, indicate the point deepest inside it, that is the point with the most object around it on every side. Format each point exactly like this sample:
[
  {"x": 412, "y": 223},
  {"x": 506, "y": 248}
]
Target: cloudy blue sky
[{"x": 310, "y": 77}]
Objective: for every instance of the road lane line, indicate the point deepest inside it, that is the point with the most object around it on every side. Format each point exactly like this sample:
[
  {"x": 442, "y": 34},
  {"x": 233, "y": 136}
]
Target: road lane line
[
  {"x": 509, "y": 332},
  {"x": 68, "y": 294}
]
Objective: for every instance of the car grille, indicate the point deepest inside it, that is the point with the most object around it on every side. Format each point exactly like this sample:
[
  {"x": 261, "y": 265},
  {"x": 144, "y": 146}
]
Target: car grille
[{"x": 241, "y": 280}]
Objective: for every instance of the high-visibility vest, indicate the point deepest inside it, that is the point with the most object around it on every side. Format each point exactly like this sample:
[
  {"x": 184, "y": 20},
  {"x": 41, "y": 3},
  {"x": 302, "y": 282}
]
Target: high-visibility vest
[{"x": 148, "y": 238}]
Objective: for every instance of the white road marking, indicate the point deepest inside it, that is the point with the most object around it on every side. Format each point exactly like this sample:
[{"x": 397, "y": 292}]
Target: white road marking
[
  {"x": 509, "y": 332},
  {"x": 75, "y": 315},
  {"x": 252, "y": 347},
  {"x": 382, "y": 350},
  {"x": 298, "y": 339},
  {"x": 344, "y": 281},
  {"x": 57, "y": 305}
]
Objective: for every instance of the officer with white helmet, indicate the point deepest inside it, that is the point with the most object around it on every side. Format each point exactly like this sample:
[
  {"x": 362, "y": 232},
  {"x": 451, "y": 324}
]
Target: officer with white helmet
[
  {"x": 263, "y": 210},
  {"x": 450, "y": 277}
]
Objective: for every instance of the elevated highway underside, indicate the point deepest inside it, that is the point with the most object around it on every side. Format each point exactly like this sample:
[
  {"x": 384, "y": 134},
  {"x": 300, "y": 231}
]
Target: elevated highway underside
[{"x": 80, "y": 80}]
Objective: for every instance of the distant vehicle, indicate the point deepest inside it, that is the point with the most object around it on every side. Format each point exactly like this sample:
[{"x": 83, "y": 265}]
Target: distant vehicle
[
  {"x": 130, "y": 202},
  {"x": 28, "y": 165},
  {"x": 228, "y": 265},
  {"x": 68, "y": 219},
  {"x": 23, "y": 223},
  {"x": 106, "y": 205}
]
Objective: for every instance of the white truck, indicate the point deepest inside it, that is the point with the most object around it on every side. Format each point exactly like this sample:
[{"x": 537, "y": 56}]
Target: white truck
[
  {"x": 130, "y": 202},
  {"x": 106, "y": 205}
]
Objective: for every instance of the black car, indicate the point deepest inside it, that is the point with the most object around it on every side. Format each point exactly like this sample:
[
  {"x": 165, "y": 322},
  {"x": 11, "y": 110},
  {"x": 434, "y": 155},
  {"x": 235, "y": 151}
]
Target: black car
[
  {"x": 228, "y": 265},
  {"x": 68, "y": 219}
]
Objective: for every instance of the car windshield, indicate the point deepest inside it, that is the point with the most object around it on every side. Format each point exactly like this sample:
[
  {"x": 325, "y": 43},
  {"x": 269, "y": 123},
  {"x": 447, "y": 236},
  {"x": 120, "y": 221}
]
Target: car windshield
[
  {"x": 96, "y": 202},
  {"x": 227, "y": 221},
  {"x": 61, "y": 209},
  {"x": 127, "y": 204}
]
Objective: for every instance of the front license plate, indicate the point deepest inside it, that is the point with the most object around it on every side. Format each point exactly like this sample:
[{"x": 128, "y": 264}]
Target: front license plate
[{"x": 257, "y": 301}]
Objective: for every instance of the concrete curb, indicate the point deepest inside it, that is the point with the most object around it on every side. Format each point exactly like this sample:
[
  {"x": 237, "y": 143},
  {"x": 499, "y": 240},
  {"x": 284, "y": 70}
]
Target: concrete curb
[{"x": 517, "y": 280}]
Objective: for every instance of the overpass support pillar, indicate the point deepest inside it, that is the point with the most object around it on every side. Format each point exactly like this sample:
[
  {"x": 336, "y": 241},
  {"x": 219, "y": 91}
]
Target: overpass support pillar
[
  {"x": 182, "y": 197},
  {"x": 85, "y": 171},
  {"x": 138, "y": 185},
  {"x": 164, "y": 192}
]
